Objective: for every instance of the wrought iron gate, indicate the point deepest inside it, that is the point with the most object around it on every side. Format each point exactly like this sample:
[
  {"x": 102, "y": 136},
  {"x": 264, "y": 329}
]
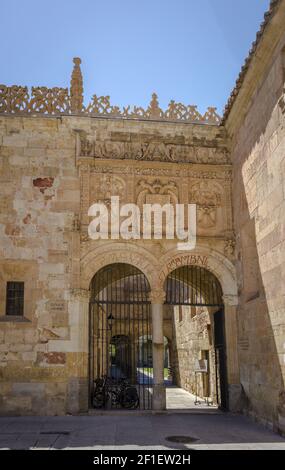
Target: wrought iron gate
[
  {"x": 196, "y": 286},
  {"x": 120, "y": 358},
  {"x": 220, "y": 357}
]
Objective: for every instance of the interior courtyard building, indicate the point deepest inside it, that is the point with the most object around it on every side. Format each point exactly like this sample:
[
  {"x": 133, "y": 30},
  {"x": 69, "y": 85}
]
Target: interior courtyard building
[{"x": 115, "y": 322}]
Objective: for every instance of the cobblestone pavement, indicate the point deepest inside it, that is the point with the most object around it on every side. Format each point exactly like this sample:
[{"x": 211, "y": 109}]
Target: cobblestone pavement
[{"x": 136, "y": 431}]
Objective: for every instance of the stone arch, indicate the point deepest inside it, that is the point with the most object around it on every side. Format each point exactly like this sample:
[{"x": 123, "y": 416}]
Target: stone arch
[
  {"x": 224, "y": 270},
  {"x": 110, "y": 253},
  {"x": 205, "y": 257}
]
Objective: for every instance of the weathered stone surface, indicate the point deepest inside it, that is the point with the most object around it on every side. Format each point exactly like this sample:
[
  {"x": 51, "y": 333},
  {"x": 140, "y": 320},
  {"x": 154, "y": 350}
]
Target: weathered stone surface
[
  {"x": 258, "y": 155},
  {"x": 52, "y": 170},
  {"x": 56, "y": 358}
]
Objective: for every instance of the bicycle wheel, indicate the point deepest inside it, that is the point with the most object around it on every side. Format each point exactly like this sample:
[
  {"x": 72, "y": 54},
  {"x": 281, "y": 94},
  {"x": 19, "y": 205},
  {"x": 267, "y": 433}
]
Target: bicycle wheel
[
  {"x": 129, "y": 398},
  {"x": 98, "y": 400}
]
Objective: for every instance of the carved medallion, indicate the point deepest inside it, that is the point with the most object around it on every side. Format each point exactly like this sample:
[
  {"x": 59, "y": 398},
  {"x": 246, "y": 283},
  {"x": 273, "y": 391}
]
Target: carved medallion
[{"x": 208, "y": 200}]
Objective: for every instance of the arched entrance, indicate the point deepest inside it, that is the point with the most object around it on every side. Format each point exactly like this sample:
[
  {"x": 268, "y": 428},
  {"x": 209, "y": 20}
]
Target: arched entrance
[
  {"x": 120, "y": 337},
  {"x": 194, "y": 302}
]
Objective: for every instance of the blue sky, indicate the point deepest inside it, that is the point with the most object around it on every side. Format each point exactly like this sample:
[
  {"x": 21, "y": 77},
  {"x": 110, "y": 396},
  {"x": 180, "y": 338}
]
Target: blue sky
[{"x": 187, "y": 50}]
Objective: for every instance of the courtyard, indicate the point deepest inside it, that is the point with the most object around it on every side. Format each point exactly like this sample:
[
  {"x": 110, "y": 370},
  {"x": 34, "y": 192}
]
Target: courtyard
[{"x": 138, "y": 431}]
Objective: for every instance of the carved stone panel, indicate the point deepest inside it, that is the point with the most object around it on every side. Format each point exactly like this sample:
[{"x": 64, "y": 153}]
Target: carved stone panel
[
  {"x": 103, "y": 187},
  {"x": 156, "y": 191},
  {"x": 208, "y": 198}
]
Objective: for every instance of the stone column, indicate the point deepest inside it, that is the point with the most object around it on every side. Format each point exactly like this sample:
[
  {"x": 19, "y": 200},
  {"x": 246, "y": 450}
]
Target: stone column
[
  {"x": 78, "y": 381},
  {"x": 157, "y": 298},
  {"x": 231, "y": 332}
]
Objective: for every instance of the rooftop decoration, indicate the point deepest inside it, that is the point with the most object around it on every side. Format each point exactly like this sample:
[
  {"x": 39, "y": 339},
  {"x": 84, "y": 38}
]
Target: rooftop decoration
[{"x": 61, "y": 101}]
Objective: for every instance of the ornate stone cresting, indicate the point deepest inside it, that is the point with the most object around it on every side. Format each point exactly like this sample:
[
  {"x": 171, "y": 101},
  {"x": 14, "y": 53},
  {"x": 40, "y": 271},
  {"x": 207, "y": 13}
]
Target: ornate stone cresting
[
  {"x": 49, "y": 100},
  {"x": 14, "y": 99},
  {"x": 43, "y": 100},
  {"x": 57, "y": 101},
  {"x": 101, "y": 105},
  {"x": 76, "y": 87}
]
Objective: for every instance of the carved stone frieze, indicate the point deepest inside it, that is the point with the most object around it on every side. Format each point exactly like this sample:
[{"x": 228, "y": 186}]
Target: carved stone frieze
[
  {"x": 150, "y": 151},
  {"x": 170, "y": 172}
]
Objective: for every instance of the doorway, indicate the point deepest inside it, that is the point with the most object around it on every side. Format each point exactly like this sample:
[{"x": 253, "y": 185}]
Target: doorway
[
  {"x": 120, "y": 345},
  {"x": 194, "y": 312}
]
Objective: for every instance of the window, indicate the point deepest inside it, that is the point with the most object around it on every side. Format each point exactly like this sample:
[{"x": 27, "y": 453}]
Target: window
[{"x": 15, "y": 298}]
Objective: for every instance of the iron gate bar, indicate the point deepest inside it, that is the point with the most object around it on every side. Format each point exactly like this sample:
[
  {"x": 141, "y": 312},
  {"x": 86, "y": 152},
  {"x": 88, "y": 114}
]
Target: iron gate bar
[
  {"x": 119, "y": 326},
  {"x": 193, "y": 286},
  {"x": 119, "y": 302}
]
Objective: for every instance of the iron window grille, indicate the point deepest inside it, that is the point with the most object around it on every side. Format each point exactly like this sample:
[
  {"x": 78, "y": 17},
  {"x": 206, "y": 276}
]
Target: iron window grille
[{"x": 15, "y": 298}]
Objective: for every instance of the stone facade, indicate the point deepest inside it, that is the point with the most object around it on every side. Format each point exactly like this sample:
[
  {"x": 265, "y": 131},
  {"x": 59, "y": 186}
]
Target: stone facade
[
  {"x": 58, "y": 157},
  {"x": 48, "y": 183},
  {"x": 256, "y": 126}
]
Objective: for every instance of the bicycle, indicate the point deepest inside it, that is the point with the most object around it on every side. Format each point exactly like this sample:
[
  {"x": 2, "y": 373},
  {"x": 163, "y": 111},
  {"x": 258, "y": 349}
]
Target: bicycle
[{"x": 119, "y": 393}]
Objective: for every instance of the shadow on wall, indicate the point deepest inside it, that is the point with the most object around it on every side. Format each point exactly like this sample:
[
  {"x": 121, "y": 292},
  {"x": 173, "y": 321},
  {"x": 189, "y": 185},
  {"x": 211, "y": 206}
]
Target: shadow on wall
[{"x": 259, "y": 209}]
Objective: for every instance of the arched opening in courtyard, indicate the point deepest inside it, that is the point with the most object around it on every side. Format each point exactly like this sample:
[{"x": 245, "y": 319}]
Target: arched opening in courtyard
[
  {"x": 194, "y": 320},
  {"x": 124, "y": 361},
  {"x": 120, "y": 338}
]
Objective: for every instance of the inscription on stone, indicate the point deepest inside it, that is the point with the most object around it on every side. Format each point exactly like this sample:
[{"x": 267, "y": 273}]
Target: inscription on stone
[
  {"x": 183, "y": 260},
  {"x": 57, "y": 306}
]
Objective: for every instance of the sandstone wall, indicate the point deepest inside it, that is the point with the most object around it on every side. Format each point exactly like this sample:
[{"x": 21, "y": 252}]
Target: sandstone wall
[
  {"x": 50, "y": 174},
  {"x": 258, "y": 157},
  {"x": 39, "y": 198},
  {"x": 192, "y": 341}
]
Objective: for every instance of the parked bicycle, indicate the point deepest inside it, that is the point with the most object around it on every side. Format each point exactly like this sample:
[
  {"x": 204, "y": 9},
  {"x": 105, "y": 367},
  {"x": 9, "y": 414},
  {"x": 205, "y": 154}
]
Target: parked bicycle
[
  {"x": 108, "y": 390},
  {"x": 99, "y": 398}
]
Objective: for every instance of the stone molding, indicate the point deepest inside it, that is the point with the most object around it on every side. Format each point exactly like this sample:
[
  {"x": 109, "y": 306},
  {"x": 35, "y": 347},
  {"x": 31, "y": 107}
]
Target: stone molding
[
  {"x": 155, "y": 169},
  {"x": 157, "y": 269}
]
